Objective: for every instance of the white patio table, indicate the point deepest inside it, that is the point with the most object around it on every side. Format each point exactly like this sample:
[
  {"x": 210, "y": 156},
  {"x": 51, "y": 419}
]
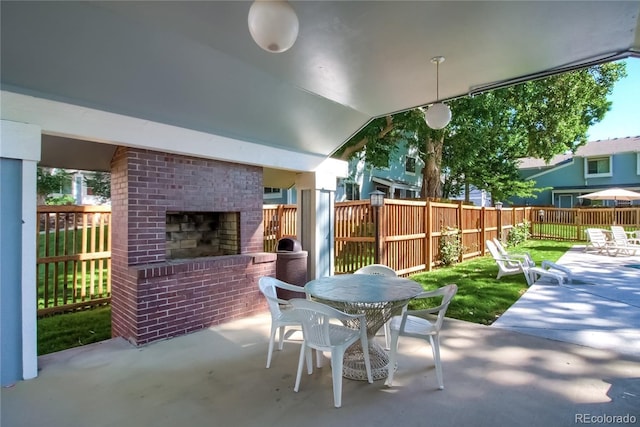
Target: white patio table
[{"x": 379, "y": 298}]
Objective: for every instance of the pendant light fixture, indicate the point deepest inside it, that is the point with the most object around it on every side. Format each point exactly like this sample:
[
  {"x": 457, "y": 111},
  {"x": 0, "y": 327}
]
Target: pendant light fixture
[
  {"x": 273, "y": 24},
  {"x": 438, "y": 115}
]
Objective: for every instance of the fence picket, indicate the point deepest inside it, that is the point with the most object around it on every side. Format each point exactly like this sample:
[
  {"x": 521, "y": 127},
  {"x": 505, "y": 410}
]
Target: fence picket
[{"x": 71, "y": 267}]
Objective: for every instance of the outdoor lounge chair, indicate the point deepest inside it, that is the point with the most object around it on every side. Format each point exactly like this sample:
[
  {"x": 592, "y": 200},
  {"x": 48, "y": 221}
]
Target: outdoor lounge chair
[
  {"x": 597, "y": 241},
  {"x": 524, "y": 257},
  {"x": 623, "y": 244},
  {"x": 548, "y": 270},
  {"x": 507, "y": 265}
]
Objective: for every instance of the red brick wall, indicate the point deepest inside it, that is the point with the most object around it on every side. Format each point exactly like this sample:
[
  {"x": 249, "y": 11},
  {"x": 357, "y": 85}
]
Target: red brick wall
[{"x": 154, "y": 299}]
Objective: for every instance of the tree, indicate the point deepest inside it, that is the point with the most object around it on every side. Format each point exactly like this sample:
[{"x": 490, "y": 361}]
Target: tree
[
  {"x": 51, "y": 181},
  {"x": 490, "y": 132},
  {"x": 100, "y": 184}
]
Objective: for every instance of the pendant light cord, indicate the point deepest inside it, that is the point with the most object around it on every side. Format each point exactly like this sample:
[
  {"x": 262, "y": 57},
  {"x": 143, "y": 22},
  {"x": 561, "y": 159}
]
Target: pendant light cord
[{"x": 438, "y": 81}]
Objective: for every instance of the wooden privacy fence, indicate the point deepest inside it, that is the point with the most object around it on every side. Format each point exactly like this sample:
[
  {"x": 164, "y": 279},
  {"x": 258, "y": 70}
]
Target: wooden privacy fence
[
  {"x": 410, "y": 231},
  {"x": 570, "y": 224},
  {"x": 74, "y": 257},
  {"x": 279, "y": 221},
  {"x": 74, "y": 245}
]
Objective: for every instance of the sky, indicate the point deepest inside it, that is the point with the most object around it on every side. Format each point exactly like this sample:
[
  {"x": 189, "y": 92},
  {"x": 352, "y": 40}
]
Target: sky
[{"x": 623, "y": 119}]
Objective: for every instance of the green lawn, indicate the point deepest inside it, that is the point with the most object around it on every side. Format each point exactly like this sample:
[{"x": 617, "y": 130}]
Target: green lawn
[
  {"x": 481, "y": 298},
  {"x": 67, "y": 275},
  {"x": 62, "y": 331}
]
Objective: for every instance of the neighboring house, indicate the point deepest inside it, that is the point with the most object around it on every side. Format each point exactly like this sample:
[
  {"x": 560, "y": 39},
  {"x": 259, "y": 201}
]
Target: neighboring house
[
  {"x": 77, "y": 188},
  {"x": 477, "y": 197},
  {"x": 401, "y": 180},
  {"x": 594, "y": 166},
  {"x": 82, "y": 193},
  {"x": 279, "y": 196}
]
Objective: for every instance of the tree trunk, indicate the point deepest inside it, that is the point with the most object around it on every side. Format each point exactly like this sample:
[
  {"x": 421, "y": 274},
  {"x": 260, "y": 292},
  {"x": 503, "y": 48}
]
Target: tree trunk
[{"x": 431, "y": 183}]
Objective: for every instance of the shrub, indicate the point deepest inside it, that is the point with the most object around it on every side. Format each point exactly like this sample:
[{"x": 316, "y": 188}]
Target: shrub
[
  {"x": 450, "y": 246},
  {"x": 65, "y": 199},
  {"x": 519, "y": 234}
]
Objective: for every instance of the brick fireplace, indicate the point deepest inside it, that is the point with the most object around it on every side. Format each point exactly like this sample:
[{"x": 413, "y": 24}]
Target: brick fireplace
[
  {"x": 201, "y": 234},
  {"x": 187, "y": 243}
]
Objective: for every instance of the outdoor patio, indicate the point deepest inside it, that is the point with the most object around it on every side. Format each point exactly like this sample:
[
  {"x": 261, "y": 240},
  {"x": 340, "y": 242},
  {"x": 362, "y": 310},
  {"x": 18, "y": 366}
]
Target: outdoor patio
[
  {"x": 600, "y": 309},
  {"x": 493, "y": 376}
]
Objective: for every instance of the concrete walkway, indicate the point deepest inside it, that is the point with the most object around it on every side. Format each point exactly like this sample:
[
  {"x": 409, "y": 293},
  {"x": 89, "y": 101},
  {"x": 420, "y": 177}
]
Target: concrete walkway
[{"x": 601, "y": 309}]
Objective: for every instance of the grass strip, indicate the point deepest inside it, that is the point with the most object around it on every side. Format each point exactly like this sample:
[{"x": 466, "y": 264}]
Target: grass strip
[{"x": 481, "y": 298}]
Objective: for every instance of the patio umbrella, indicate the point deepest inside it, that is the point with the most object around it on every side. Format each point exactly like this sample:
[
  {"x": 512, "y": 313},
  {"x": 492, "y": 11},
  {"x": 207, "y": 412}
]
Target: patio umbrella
[{"x": 614, "y": 194}]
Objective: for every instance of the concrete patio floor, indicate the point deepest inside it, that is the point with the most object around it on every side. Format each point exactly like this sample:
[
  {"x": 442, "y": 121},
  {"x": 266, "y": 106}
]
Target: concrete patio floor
[
  {"x": 559, "y": 372},
  {"x": 216, "y": 377}
]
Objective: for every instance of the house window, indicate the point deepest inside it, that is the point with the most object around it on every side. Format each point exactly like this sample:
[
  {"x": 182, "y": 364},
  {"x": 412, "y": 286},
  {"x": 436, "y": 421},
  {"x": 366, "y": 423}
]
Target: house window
[
  {"x": 598, "y": 166},
  {"x": 272, "y": 193},
  {"x": 410, "y": 165},
  {"x": 352, "y": 191}
]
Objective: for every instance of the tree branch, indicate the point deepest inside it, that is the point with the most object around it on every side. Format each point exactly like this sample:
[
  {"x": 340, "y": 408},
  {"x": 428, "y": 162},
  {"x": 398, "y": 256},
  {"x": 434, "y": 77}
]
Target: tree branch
[{"x": 349, "y": 151}]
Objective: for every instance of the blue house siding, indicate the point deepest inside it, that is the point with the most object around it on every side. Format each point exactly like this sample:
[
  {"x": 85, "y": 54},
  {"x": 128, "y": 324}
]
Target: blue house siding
[
  {"x": 566, "y": 178},
  {"x": 284, "y": 197},
  {"x": 395, "y": 180}
]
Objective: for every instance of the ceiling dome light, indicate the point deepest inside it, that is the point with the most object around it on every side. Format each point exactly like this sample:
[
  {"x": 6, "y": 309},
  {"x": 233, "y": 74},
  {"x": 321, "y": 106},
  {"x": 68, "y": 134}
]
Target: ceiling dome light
[
  {"x": 438, "y": 115},
  {"x": 273, "y": 24}
]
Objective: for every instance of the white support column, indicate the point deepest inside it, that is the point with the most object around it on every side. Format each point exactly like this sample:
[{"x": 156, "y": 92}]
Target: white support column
[
  {"x": 29, "y": 259},
  {"x": 316, "y": 215},
  {"x": 22, "y": 142}
]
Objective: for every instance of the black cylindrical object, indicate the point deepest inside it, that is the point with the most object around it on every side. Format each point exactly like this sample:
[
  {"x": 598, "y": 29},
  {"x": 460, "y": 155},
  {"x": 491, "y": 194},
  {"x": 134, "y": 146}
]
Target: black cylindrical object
[{"x": 291, "y": 266}]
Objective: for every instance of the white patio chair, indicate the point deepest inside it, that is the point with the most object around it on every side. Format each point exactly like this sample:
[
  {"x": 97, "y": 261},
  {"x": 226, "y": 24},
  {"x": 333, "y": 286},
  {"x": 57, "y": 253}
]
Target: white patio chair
[
  {"x": 506, "y": 264},
  {"x": 321, "y": 333},
  {"x": 383, "y": 270},
  {"x": 421, "y": 324},
  {"x": 597, "y": 241},
  {"x": 282, "y": 313},
  {"x": 525, "y": 257},
  {"x": 622, "y": 241}
]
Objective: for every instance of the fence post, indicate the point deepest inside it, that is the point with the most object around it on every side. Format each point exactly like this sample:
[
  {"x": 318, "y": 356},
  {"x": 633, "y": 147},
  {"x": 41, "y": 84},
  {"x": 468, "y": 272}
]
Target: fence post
[
  {"x": 280, "y": 216},
  {"x": 382, "y": 234},
  {"x": 483, "y": 230},
  {"x": 499, "y": 222},
  {"x": 460, "y": 229},
  {"x": 428, "y": 246},
  {"x": 578, "y": 224}
]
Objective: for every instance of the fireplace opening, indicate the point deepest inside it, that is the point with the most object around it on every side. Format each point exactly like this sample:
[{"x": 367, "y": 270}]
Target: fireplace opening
[{"x": 202, "y": 234}]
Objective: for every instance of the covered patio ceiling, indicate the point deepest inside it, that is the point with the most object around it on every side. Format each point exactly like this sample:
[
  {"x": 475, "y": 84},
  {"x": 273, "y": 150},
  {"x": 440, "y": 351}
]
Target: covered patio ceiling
[{"x": 193, "y": 64}]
